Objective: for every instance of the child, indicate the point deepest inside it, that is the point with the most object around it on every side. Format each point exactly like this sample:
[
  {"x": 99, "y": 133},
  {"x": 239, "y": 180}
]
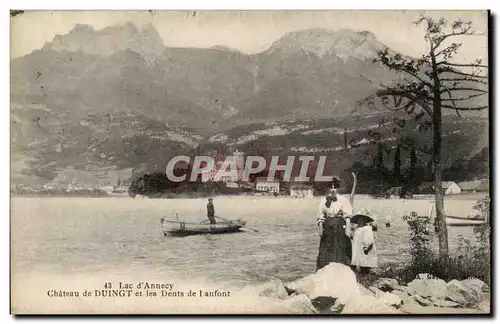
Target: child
[{"x": 364, "y": 252}]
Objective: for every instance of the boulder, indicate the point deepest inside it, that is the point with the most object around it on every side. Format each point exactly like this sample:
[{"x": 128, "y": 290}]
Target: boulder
[
  {"x": 484, "y": 306},
  {"x": 273, "y": 289},
  {"x": 336, "y": 281},
  {"x": 403, "y": 295},
  {"x": 299, "y": 304},
  {"x": 444, "y": 303},
  {"x": 365, "y": 291},
  {"x": 400, "y": 288},
  {"x": 479, "y": 287},
  {"x": 391, "y": 299},
  {"x": 476, "y": 284},
  {"x": 386, "y": 284},
  {"x": 386, "y": 297},
  {"x": 336, "y": 308},
  {"x": 324, "y": 304},
  {"x": 411, "y": 306},
  {"x": 377, "y": 292},
  {"x": 428, "y": 288},
  {"x": 365, "y": 304},
  {"x": 459, "y": 293},
  {"x": 422, "y": 301},
  {"x": 432, "y": 310}
]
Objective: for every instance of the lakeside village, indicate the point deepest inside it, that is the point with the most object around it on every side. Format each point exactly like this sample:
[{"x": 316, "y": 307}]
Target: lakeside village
[
  {"x": 428, "y": 283},
  {"x": 221, "y": 179}
]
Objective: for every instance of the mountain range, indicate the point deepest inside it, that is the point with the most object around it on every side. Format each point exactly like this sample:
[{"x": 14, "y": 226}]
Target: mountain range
[{"x": 118, "y": 96}]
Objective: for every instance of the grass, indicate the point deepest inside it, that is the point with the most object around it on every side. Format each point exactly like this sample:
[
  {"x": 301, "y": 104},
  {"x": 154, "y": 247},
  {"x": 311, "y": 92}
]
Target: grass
[{"x": 469, "y": 260}]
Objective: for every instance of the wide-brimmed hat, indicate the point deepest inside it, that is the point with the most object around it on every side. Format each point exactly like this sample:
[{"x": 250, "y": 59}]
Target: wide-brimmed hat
[{"x": 362, "y": 214}]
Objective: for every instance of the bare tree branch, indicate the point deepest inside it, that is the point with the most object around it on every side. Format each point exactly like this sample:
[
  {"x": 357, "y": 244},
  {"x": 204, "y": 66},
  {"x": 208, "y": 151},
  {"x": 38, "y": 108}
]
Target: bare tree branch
[
  {"x": 462, "y": 65},
  {"x": 451, "y": 97},
  {"x": 440, "y": 71},
  {"x": 439, "y": 39},
  {"x": 465, "y": 108},
  {"x": 468, "y": 89},
  {"x": 463, "y": 79},
  {"x": 463, "y": 98}
]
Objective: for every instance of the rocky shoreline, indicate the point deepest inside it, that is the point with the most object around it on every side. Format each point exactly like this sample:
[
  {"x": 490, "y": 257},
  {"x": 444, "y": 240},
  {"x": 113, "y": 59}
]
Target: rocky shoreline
[{"x": 335, "y": 290}]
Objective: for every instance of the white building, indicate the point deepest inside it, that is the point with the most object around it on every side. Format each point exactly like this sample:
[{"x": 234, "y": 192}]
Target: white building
[
  {"x": 451, "y": 188},
  {"x": 208, "y": 175},
  {"x": 301, "y": 190},
  {"x": 265, "y": 185},
  {"x": 237, "y": 159},
  {"x": 474, "y": 186}
]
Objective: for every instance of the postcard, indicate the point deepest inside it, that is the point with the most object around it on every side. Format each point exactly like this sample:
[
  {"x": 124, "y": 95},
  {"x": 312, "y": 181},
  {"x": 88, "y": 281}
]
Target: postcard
[{"x": 250, "y": 162}]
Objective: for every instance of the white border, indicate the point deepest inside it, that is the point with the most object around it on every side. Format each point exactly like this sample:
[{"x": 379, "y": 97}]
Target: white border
[{"x": 200, "y": 4}]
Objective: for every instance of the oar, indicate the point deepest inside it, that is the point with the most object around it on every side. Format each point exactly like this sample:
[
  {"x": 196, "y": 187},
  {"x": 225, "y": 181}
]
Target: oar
[
  {"x": 227, "y": 220},
  {"x": 252, "y": 229}
]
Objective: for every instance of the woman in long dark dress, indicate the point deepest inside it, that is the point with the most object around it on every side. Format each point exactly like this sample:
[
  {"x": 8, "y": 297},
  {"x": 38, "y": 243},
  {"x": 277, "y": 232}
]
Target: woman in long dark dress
[{"x": 335, "y": 229}]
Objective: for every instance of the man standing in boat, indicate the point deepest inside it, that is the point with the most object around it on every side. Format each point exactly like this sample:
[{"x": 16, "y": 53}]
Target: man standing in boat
[{"x": 211, "y": 211}]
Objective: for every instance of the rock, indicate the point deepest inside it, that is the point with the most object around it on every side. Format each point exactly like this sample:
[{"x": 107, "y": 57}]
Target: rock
[
  {"x": 368, "y": 305},
  {"x": 336, "y": 308},
  {"x": 439, "y": 310},
  {"x": 476, "y": 284},
  {"x": 411, "y": 306},
  {"x": 386, "y": 284},
  {"x": 400, "y": 288},
  {"x": 377, "y": 292},
  {"x": 336, "y": 281},
  {"x": 484, "y": 306},
  {"x": 364, "y": 291},
  {"x": 324, "y": 303},
  {"x": 422, "y": 301},
  {"x": 386, "y": 297},
  {"x": 444, "y": 303},
  {"x": 428, "y": 288},
  {"x": 274, "y": 289},
  {"x": 459, "y": 293},
  {"x": 299, "y": 304},
  {"x": 391, "y": 299},
  {"x": 480, "y": 288},
  {"x": 403, "y": 295}
]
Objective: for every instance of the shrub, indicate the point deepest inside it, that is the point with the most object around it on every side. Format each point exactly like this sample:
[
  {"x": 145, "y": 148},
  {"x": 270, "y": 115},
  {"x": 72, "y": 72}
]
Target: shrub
[{"x": 470, "y": 259}]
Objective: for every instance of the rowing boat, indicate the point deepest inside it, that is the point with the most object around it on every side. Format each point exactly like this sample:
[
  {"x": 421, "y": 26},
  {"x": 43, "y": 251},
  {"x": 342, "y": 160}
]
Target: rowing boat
[
  {"x": 453, "y": 221},
  {"x": 462, "y": 221},
  {"x": 179, "y": 228}
]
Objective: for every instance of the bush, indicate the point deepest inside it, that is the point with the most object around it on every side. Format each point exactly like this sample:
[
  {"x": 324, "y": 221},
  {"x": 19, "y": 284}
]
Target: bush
[{"x": 470, "y": 259}]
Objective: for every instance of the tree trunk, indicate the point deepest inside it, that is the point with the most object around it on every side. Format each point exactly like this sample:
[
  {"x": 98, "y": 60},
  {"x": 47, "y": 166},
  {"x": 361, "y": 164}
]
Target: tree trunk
[
  {"x": 436, "y": 157},
  {"x": 345, "y": 141},
  {"x": 439, "y": 193}
]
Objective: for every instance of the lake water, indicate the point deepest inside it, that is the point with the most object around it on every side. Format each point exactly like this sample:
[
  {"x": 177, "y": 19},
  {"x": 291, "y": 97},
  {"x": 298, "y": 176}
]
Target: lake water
[{"x": 122, "y": 235}]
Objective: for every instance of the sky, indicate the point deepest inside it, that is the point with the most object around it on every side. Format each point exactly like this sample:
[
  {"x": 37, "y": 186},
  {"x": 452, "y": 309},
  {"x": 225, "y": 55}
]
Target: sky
[{"x": 247, "y": 31}]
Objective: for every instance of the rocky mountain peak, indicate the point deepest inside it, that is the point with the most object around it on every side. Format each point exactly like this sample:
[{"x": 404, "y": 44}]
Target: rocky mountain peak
[
  {"x": 343, "y": 43},
  {"x": 109, "y": 40}
]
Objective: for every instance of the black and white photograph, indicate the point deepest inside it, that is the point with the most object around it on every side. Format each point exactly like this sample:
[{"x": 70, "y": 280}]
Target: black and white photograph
[{"x": 272, "y": 162}]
